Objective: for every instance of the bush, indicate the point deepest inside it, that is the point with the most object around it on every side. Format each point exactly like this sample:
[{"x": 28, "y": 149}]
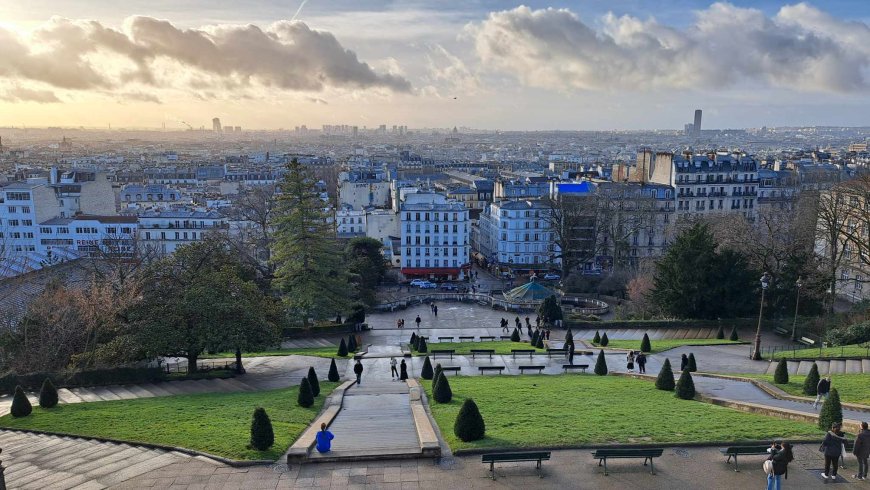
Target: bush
[
  {"x": 540, "y": 344},
  {"x": 414, "y": 339},
  {"x": 442, "y": 392},
  {"x": 21, "y": 406},
  {"x": 665, "y": 379},
  {"x": 262, "y": 435},
  {"x": 357, "y": 315},
  {"x": 569, "y": 336},
  {"x": 435, "y": 374},
  {"x": 720, "y": 333},
  {"x": 644, "y": 344},
  {"x": 853, "y": 334},
  {"x": 534, "y": 340},
  {"x": 515, "y": 336},
  {"x": 831, "y": 411},
  {"x": 342, "y": 349},
  {"x": 733, "y": 337},
  {"x": 313, "y": 382},
  {"x": 47, "y": 394},
  {"x": 597, "y": 338},
  {"x": 601, "y": 365},
  {"x": 306, "y": 397},
  {"x": 811, "y": 382},
  {"x": 422, "y": 347},
  {"x": 604, "y": 340},
  {"x": 469, "y": 424},
  {"x": 426, "y": 372},
  {"x": 333, "y": 372},
  {"x": 780, "y": 376},
  {"x": 351, "y": 343},
  {"x": 692, "y": 367},
  {"x": 685, "y": 386}
]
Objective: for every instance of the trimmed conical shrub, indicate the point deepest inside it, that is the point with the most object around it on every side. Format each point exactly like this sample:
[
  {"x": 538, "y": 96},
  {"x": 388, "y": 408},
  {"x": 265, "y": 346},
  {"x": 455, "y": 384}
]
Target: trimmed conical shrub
[
  {"x": 333, "y": 372},
  {"x": 665, "y": 379},
  {"x": 780, "y": 376},
  {"x": 720, "y": 333},
  {"x": 262, "y": 435},
  {"x": 313, "y": 382},
  {"x": 21, "y": 406},
  {"x": 342, "y": 349},
  {"x": 831, "y": 411},
  {"x": 692, "y": 367},
  {"x": 48, "y": 394},
  {"x": 351, "y": 343},
  {"x": 811, "y": 382},
  {"x": 733, "y": 337},
  {"x": 413, "y": 339},
  {"x": 437, "y": 372},
  {"x": 569, "y": 336},
  {"x": 306, "y": 397},
  {"x": 534, "y": 340},
  {"x": 422, "y": 347},
  {"x": 426, "y": 372},
  {"x": 442, "y": 392},
  {"x": 644, "y": 344},
  {"x": 540, "y": 344},
  {"x": 515, "y": 336},
  {"x": 601, "y": 365},
  {"x": 685, "y": 388},
  {"x": 604, "y": 340},
  {"x": 469, "y": 425},
  {"x": 597, "y": 338}
]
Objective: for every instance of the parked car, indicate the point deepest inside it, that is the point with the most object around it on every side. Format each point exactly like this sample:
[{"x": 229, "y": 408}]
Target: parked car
[
  {"x": 428, "y": 285},
  {"x": 551, "y": 276},
  {"x": 418, "y": 282},
  {"x": 449, "y": 287}
]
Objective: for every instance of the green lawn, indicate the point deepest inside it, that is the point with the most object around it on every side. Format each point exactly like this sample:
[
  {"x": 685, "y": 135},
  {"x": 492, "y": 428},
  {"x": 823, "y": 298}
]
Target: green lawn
[
  {"x": 666, "y": 344},
  {"x": 301, "y": 351},
  {"x": 854, "y": 350},
  {"x": 853, "y": 388},
  {"x": 217, "y": 423},
  {"x": 500, "y": 346},
  {"x": 565, "y": 410}
]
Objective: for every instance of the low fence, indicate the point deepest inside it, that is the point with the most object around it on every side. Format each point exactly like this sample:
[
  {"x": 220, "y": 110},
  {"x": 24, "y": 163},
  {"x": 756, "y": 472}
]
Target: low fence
[
  {"x": 485, "y": 299},
  {"x": 823, "y": 352},
  {"x": 205, "y": 365}
]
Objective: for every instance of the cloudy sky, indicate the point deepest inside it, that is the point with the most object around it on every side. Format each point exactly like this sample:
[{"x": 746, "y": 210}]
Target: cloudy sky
[{"x": 583, "y": 64}]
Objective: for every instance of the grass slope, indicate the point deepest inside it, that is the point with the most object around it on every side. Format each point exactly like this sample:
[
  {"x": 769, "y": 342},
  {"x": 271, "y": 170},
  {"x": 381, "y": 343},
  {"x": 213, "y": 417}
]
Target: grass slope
[
  {"x": 853, "y": 388},
  {"x": 566, "y": 410},
  {"x": 500, "y": 346},
  {"x": 666, "y": 344},
  {"x": 217, "y": 423},
  {"x": 854, "y": 350},
  {"x": 300, "y": 351}
]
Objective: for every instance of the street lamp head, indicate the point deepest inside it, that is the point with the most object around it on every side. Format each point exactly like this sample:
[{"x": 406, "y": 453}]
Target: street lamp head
[
  {"x": 765, "y": 280},
  {"x": 799, "y": 283}
]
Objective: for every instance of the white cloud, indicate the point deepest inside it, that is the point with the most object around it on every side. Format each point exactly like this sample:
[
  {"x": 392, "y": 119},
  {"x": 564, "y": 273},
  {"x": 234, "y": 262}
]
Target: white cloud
[{"x": 22, "y": 94}]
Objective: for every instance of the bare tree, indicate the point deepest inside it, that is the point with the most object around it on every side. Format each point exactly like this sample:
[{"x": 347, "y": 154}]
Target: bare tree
[
  {"x": 252, "y": 238},
  {"x": 832, "y": 234}
]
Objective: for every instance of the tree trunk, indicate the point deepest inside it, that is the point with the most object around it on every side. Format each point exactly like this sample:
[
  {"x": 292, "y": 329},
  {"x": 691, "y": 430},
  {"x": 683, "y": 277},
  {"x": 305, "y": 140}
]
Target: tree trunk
[
  {"x": 239, "y": 368},
  {"x": 191, "y": 363}
]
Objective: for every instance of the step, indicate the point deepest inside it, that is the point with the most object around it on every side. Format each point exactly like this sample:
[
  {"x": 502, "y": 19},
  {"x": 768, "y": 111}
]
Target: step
[
  {"x": 218, "y": 386},
  {"x": 865, "y": 366},
  {"x": 121, "y": 392},
  {"x": 239, "y": 385},
  {"x": 89, "y": 485},
  {"x": 120, "y": 453},
  {"x": 156, "y": 389},
  {"x": 173, "y": 387},
  {"x": 139, "y": 391},
  {"x": 50, "y": 481},
  {"x": 139, "y": 468},
  {"x": 67, "y": 396},
  {"x": 85, "y": 394},
  {"x": 104, "y": 393}
]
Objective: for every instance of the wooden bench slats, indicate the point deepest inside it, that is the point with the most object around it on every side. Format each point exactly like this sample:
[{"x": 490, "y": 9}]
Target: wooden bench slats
[
  {"x": 733, "y": 451},
  {"x": 602, "y": 455},
  {"x": 491, "y": 368},
  {"x": 566, "y": 367},
  {"x": 536, "y": 456},
  {"x": 455, "y": 369},
  {"x": 539, "y": 368}
]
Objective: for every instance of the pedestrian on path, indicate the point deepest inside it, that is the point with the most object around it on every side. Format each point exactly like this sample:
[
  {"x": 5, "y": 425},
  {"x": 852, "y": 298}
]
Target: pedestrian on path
[
  {"x": 537, "y": 322},
  {"x": 822, "y": 390},
  {"x": 862, "y": 451},
  {"x": 393, "y": 372},
  {"x": 504, "y": 325},
  {"x": 418, "y": 321},
  {"x": 404, "y": 370},
  {"x": 518, "y": 323},
  {"x": 435, "y": 309},
  {"x": 530, "y": 330},
  {"x": 324, "y": 439},
  {"x": 528, "y": 322},
  {"x": 832, "y": 446},
  {"x": 571, "y": 353},
  {"x": 641, "y": 362},
  {"x": 399, "y": 323},
  {"x": 780, "y": 456},
  {"x": 547, "y": 334},
  {"x": 684, "y": 362},
  {"x": 629, "y": 361},
  {"x": 358, "y": 370}
]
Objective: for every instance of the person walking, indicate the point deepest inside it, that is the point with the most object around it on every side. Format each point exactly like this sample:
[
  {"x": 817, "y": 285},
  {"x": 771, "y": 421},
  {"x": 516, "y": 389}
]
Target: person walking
[
  {"x": 629, "y": 361},
  {"x": 571, "y": 353},
  {"x": 418, "y": 321},
  {"x": 528, "y": 321},
  {"x": 358, "y": 370},
  {"x": 403, "y": 368},
  {"x": 641, "y": 362},
  {"x": 435, "y": 309},
  {"x": 547, "y": 334},
  {"x": 537, "y": 322},
  {"x": 780, "y": 457},
  {"x": 324, "y": 439},
  {"x": 832, "y": 446},
  {"x": 399, "y": 323},
  {"x": 862, "y": 451},
  {"x": 393, "y": 372},
  {"x": 822, "y": 390},
  {"x": 684, "y": 362},
  {"x": 504, "y": 325}
]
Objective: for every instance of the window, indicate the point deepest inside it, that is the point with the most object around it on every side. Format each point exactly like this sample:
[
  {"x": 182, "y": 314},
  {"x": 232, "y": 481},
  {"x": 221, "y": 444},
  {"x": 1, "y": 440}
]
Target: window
[
  {"x": 25, "y": 209},
  {"x": 13, "y": 222},
  {"x": 46, "y": 231},
  {"x": 17, "y": 196},
  {"x": 12, "y": 209}
]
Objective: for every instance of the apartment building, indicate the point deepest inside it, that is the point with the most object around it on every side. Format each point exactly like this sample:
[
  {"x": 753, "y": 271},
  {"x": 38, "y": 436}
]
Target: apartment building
[
  {"x": 166, "y": 231},
  {"x": 89, "y": 236},
  {"x": 516, "y": 236},
  {"x": 434, "y": 237}
]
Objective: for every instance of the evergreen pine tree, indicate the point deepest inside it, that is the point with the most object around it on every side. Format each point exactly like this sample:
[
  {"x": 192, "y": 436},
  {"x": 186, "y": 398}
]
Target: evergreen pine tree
[
  {"x": 780, "y": 376},
  {"x": 342, "y": 349},
  {"x": 685, "y": 388},
  {"x": 469, "y": 425},
  {"x": 413, "y": 339},
  {"x": 313, "y": 382},
  {"x": 422, "y": 347},
  {"x": 549, "y": 310},
  {"x": 692, "y": 367},
  {"x": 515, "y": 336},
  {"x": 48, "y": 394},
  {"x": 333, "y": 372},
  {"x": 644, "y": 344},
  {"x": 665, "y": 379},
  {"x": 604, "y": 340},
  {"x": 305, "y": 398},
  {"x": 262, "y": 435},
  {"x": 601, "y": 365},
  {"x": 442, "y": 392},
  {"x": 426, "y": 372},
  {"x": 811, "y": 383},
  {"x": 832, "y": 410},
  {"x": 597, "y": 338},
  {"x": 21, "y": 406},
  {"x": 720, "y": 333},
  {"x": 733, "y": 337}
]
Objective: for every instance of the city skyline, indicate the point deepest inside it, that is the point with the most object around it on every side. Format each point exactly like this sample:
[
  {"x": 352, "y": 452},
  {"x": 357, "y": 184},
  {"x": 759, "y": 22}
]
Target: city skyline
[{"x": 486, "y": 64}]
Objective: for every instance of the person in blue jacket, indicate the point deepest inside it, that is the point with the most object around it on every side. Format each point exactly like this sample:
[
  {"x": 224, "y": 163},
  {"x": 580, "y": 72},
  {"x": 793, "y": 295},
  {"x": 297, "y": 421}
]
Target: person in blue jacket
[{"x": 324, "y": 439}]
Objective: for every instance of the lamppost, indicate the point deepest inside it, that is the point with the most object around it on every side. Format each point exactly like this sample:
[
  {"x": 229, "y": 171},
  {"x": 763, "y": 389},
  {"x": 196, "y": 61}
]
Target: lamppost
[
  {"x": 798, "y": 284},
  {"x": 765, "y": 282}
]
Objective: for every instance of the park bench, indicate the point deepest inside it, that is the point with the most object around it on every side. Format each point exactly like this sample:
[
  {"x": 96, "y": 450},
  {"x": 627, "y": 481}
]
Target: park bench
[
  {"x": 536, "y": 456},
  {"x": 583, "y": 353},
  {"x": 733, "y": 451},
  {"x": 487, "y": 337},
  {"x": 505, "y": 337},
  {"x": 530, "y": 352},
  {"x": 484, "y": 369},
  {"x": 567, "y": 367},
  {"x": 539, "y": 368},
  {"x": 445, "y": 338},
  {"x": 807, "y": 341},
  {"x": 561, "y": 352},
  {"x": 455, "y": 369},
  {"x": 475, "y": 352},
  {"x": 469, "y": 338},
  {"x": 780, "y": 331},
  {"x": 646, "y": 454},
  {"x": 435, "y": 352}
]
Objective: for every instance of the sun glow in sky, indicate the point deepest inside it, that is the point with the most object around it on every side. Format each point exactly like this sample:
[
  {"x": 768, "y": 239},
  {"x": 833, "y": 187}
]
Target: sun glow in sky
[{"x": 487, "y": 64}]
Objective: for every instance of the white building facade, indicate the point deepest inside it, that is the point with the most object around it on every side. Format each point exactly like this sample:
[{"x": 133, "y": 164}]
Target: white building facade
[
  {"x": 166, "y": 231},
  {"x": 516, "y": 235},
  {"x": 434, "y": 237}
]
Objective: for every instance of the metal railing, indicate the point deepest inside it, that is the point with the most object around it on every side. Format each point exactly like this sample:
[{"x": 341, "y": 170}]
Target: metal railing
[
  {"x": 599, "y": 307},
  {"x": 207, "y": 365}
]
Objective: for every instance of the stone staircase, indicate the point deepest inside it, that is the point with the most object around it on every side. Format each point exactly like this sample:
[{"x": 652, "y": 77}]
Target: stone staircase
[{"x": 834, "y": 366}]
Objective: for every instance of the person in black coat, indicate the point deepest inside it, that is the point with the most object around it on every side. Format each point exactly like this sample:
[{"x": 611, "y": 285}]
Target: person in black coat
[
  {"x": 861, "y": 450},
  {"x": 358, "y": 370},
  {"x": 684, "y": 363},
  {"x": 641, "y": 362},
  {"x": 781, "y": 456},
  {"x": 403, "y": 371},
  {"x": 832, "y": 446}
]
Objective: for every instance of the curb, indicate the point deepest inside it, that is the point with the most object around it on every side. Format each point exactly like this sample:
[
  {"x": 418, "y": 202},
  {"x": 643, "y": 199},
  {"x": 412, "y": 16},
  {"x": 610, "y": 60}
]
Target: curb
[
  {"x": 430, "y": 446},
  {"x": 471, "y": 452}
]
